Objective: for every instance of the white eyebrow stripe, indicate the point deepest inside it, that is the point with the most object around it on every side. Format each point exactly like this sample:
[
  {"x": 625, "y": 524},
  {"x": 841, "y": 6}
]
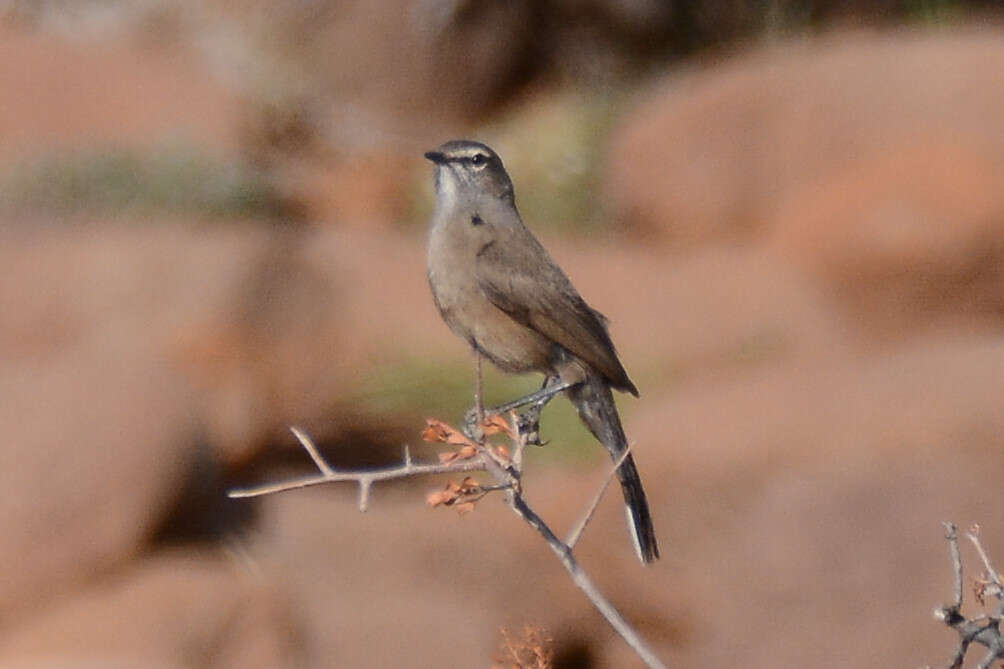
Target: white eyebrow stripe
[{"x": 466, "y": 152}]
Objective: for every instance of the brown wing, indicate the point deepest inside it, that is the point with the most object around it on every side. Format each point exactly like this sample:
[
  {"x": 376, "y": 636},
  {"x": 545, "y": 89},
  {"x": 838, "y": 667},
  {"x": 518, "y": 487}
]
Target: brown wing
[{"x": 533, "y": 290}]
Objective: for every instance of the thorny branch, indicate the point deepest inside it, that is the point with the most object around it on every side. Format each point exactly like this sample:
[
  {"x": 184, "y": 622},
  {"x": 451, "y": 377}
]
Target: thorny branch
[
  {"x": 365, "y": 479},
  {"x": 983, "y": 629},
  {"x": 505, "y": 469}
]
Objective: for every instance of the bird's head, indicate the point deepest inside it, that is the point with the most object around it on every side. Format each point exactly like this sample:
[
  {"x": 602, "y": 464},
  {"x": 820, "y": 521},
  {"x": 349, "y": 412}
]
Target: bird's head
[{"x": 468, "y": 170}]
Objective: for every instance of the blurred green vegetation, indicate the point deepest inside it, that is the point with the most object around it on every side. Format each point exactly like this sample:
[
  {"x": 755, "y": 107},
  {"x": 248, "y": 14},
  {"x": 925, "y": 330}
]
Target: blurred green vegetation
[
  {"x": 446, "y": 392},
  {"x": 111, "y": 181},
  {"x": 934, "y": 12}
]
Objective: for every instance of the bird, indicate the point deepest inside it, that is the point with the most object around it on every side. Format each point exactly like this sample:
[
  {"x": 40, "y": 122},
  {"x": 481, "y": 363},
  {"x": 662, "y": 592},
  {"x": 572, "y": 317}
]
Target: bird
[{"x": 498, "y": 288}]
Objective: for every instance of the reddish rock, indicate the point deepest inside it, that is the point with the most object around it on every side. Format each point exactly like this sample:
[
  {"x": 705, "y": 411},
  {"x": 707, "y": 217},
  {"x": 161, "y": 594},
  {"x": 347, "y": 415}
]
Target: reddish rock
[
  {"x": 712, "y": 154},
  {"x": 97, "y": 441},
  {"x": 174, "y": 610},
  {"x": 372, "y": 75},
  {"x": 69, "y": 94},
  {"x": 907, "y": 239},
  {"x": 810, "y": 497},
  {"x": 125, "y": 349}
]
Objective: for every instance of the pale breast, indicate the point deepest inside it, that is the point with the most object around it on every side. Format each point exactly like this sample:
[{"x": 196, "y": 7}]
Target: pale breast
[{"x": 511, "y": 346}]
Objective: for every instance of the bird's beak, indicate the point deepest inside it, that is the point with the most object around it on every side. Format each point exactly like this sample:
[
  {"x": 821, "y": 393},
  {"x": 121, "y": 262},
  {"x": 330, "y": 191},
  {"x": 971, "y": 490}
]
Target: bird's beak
[{"x": 436, "y": 156}]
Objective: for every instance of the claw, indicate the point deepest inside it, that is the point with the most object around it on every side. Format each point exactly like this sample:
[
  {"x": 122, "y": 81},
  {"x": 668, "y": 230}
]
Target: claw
[
  {"x": 529, "y": 425},
  {"x": 528, "y": 421},
  {"x": 470, "y": 426}
]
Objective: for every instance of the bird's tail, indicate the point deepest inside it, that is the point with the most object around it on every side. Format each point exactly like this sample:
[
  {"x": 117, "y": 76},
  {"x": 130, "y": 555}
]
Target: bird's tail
[{"x": 595, "y": 404}]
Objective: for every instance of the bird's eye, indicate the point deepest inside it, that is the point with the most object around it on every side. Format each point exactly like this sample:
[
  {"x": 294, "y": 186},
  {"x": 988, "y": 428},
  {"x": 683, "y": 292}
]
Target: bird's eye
[{"x": 478, "y": 159}]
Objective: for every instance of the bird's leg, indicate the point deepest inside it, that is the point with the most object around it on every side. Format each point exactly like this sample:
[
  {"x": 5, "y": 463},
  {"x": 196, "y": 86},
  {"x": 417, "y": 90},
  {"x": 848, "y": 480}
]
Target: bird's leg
[
  {"x": 552, "y": 386},
  {"x": 476, "y": 416},
  {"x": 529, "y": 420},
  {"x": 479, "y": 403}
]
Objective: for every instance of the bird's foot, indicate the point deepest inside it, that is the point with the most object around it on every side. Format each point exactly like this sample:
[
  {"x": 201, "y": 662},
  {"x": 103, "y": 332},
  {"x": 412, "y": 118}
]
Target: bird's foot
[
  {"x": 528, "y": 423},
  {"x": 471, "y": 427}
]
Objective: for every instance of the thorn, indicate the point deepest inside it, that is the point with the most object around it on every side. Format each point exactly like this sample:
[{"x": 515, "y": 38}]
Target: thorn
[{"x": 308, "y": 445}]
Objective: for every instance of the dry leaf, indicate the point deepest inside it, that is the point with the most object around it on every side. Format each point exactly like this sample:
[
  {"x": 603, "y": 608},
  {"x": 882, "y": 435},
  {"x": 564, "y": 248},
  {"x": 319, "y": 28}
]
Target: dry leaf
[
  {"x": 462, "y": 496},
  {"x": 981, "y": 587},
  {"x": 436, "y": 498},
  {"x": 435, "y": 430},
  {"x": 496, "y": 424},
  {"x": 456, "y": 438},
  {"x": 533, "y": 649},
  {"x": 449, "y": 495},
  {"x": 440, "y": 432}
]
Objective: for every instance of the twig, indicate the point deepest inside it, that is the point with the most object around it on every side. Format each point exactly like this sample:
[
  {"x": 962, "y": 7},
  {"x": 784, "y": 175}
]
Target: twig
[
  {"x": 507, "y": 474},
  {"x": 983, "y": 629},
  {"x": 308, "y": 445},
  {"x": 586, "y": 585},
  {"x": 579, "y": 576},
  {"x": 953, "y": 549},
  {"x": 974, "y": 535},
  {"x": 576, "y": 533},
  {"x": 364, "y": 478}
]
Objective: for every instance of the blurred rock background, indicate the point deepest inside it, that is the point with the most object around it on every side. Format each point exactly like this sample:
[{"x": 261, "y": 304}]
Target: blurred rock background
[{"x": 212, "y": 218}]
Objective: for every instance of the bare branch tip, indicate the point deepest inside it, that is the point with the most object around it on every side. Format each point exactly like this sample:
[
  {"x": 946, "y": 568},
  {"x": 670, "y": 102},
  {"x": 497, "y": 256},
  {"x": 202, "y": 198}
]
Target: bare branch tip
[
  {"x": 311, "y": 448},
  {"x": 576, "y": 533}
]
